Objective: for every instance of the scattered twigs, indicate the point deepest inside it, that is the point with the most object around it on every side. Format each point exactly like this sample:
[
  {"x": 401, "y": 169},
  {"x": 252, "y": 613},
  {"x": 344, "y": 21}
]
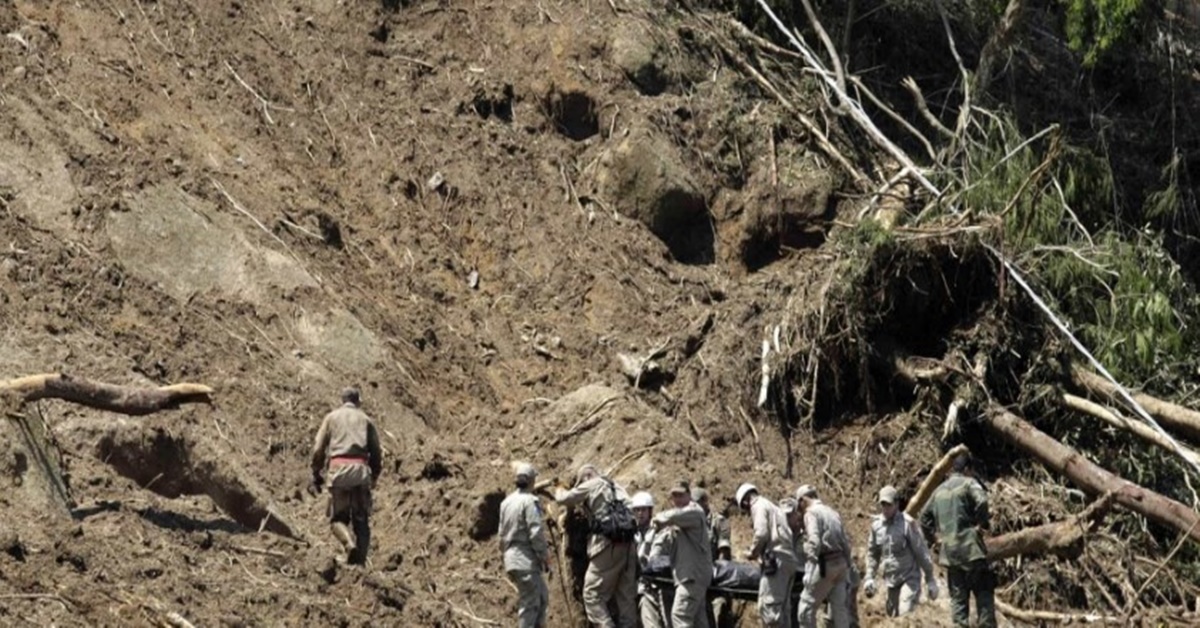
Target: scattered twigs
[
  {"x": 856, "y": 112},
  {"x": 590, "y": 420},
  {"x": 758, "y": 450},
  {"x": 999, "y": 41},
  {"x": 923, "y": 107},
  {"x": 809, "y": 125},
  {"x": 473, "y": 617},
  {"x": 834, "y": 58},
  {"x": 964, "y": 111},
  {"x": 1042, "y": 617},
  {"x": 66, "y": 604},
  {"x": 1140, "y": 430},
  {"x": 931, "y": 481},
  {"x": 1158, "y": 568},
  {"x": 899, "y": 119},
  {"x": 620, "y": 464},
  {"x": 238, "y": 206},
  {"x": 265, "y": 104}
]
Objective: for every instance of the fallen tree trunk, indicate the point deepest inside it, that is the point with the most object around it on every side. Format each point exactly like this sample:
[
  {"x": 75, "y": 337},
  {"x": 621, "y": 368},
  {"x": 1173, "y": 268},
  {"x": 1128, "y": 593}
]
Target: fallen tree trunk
[
  {"x": 1174, "y": 416},
  {"x": 936, "y": 475},
  {"x": 110, "y": 397},
  {"x": 1137, "y": 428},
  {"x": 1063, "y": 538},
  {"x": 1090, "y": 477}
]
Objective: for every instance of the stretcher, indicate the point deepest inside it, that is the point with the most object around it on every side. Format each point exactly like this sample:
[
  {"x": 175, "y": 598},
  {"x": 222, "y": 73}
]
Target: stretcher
[{"x": 731, "y": 579}]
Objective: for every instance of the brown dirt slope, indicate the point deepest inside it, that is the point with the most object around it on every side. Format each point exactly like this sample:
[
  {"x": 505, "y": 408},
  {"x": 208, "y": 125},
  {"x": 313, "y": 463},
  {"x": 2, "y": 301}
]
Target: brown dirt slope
[{"x": 428, "y": 199}]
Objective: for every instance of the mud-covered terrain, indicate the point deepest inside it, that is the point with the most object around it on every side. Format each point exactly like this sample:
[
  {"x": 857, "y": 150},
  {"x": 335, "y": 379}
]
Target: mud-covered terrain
[{"x": 471, "y": 210}]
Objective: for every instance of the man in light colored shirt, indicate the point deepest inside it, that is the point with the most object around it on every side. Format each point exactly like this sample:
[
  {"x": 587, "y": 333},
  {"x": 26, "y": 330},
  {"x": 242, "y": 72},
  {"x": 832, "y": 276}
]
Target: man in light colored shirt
[
  {"x": 897, "y": 546},
  {"x": 524, "y": 549}
]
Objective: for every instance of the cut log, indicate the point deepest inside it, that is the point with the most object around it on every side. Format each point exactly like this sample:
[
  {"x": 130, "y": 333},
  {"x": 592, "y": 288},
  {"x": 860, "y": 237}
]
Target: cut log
[
  {"x": 1137, "y": 428},
  {"x": 1172, "y": 416},
  {"x": 1090, "y": 477},
  {"x": 1064, "y": 538},
  {"x": 936, "y": 475},
  {"x": 110, "y": 397}
]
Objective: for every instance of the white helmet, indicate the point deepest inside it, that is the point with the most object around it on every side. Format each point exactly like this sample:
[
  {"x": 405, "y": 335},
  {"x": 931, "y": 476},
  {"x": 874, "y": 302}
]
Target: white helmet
[
  {"x": 745, "y": 490},
  {"x": 642, "y": 500}
]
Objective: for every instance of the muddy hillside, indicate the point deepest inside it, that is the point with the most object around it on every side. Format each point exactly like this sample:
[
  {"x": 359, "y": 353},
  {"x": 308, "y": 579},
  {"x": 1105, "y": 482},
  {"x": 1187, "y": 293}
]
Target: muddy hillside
[{"x": 649, "y": 235}]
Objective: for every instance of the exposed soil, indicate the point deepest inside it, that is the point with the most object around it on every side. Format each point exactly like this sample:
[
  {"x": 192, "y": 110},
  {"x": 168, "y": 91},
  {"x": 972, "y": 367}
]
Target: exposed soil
[{"x": 431, "y": 200}]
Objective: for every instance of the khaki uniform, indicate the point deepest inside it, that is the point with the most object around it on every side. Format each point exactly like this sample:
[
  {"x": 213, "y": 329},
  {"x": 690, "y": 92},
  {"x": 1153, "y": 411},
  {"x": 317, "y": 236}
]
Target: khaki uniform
[
  {"x": 691, "y": 564},
  {"x": 348, "y": 443},
  {"x": 956, "y": 514},
  {"x": 652, "y": 543},
  {"x": 773, "y": 537},
  {"x": 896, "y": 545},
  {"x": 826, "y": 564},
  {"x": 612, "y": 567},
  {"x": 523, "y": 546},
  {"x": 718, "y": 529}
]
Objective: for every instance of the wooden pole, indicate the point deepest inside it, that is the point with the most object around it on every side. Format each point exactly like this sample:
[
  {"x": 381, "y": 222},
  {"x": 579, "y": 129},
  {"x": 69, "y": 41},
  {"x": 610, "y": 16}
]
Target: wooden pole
[
  {"x": 1184, "y": 420},
  {"x": 936, "y": 475},
  {"x": 123, "y": 399}
]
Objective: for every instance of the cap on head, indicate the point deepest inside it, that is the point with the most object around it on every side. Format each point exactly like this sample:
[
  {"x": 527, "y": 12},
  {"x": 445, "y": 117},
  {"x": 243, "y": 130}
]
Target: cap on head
[
  {"x": 681, "y": 488},
  {"x": 888, "y": 495},
  {"x": 744, "y": 492},
  {"x": 963, "y": 462},
  {"x": 585, "y": 472},
  {"x": 788, "y": 505},
  {"x": 351, "y": 395},
  {"x": 642, "y": 499},
  {"x": 806, "y": 491},
  {"x": 699, "y": 495},
  {"x": 525, "y": 471}
]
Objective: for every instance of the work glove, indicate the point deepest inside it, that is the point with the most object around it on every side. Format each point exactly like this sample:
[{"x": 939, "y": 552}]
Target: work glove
[
  {"x": 933, "y": 589},
  {"x": 869, "y": 587},
  {"x": 314, "y": 487}
]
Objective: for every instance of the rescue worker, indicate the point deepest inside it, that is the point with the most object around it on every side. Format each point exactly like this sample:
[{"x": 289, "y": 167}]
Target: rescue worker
[
  {"x": 896, "y": 544},
  {"x": 722, "y": 549},
  {"x": 796, "y": 521},
  {"x": 612, "y": 565},
  {"x": 347, "y": 450},
  {"x": 691, "y": 558},
  {"x": 773, "y": 546},
  {"x": 957, "y": 514},
  {"x": 524, "y": 549},
  {"x": 650, "y": 543},
  {"x": 718, "y": 527},
  {"x": 826, "y": 553}
]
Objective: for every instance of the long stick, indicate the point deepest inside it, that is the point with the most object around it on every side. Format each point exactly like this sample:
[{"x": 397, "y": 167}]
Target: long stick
[
  {"x": 102, "y": 396},
  {"x": 931, "y": 482},
  {"x": 1172, "y": 415},
  {"x": 1138, "y": 429}
]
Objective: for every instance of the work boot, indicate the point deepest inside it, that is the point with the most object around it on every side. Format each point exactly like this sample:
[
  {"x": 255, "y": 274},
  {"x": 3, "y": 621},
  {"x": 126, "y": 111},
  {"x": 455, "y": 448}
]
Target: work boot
[{"x": 344, "y": 536}]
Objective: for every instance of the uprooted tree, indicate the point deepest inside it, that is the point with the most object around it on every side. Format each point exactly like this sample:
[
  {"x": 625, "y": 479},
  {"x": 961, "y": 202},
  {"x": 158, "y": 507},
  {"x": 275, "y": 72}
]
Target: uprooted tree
[
  {"x": 169, "y": 464},
  {"x": 1007, "y": 281}
]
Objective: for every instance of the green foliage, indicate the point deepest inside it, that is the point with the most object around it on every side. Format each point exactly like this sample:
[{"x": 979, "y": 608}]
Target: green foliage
[
  {"x": 1118, "y": 286},
  {"x": 1096, "y": 26}
]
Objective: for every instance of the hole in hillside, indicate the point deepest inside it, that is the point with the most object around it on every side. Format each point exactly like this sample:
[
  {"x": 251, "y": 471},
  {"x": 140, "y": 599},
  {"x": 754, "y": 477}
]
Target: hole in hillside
[
  {"x": 695, "y": 243},
  {"x": 498, "y": 104},
  {"x": 395, "y": 5},
  {"x": 381, "y": 33},
  {"x": 331, "y": 231},
  {"x": 772, "y": 243},
  {"x": 436, "y": 469},
  {"x": 487, "y": 517},
  {"x": 573, "y": 114},
  {"x": 11, "y": 544}
]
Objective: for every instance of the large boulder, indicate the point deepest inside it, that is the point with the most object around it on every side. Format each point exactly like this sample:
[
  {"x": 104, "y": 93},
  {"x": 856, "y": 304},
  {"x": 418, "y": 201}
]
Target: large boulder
[
  {"x": 644, "y": 178},
  {"x": 640, "y": 54}
]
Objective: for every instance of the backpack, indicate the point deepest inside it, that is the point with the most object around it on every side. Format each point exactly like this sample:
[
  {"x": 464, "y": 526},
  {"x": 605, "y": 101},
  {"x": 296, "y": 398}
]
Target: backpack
[{"x": 614, "y": 521}]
